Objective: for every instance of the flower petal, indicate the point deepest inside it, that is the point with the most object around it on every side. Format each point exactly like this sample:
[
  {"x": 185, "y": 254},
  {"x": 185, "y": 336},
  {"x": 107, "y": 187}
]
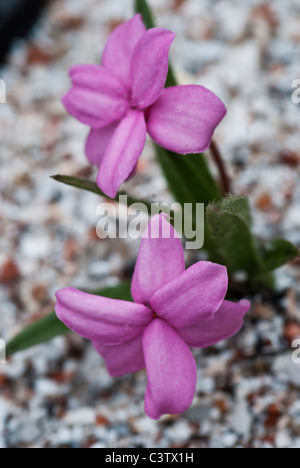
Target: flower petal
[
  {"x": 119, "y": 48},
  {"x": 97, "y": 143},
  {"x": 171, "y": 371},
  {"x": 96, "y": 318},
  {"x": 122, "y": 153},
  {"x": 227, "y": 322},
  {"x": 150, "y": 64},
  {"x": 160, "y": 260},
  {"x": 97, "y": 97},
  {"x": 123, "y": 359},
  {"x": 195, "y": 295},
  {"x": 184, "y": 118}
]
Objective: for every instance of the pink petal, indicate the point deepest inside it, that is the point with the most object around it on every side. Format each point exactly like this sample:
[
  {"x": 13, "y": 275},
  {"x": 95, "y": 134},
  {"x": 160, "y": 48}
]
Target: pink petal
[
  {"x": 160, "y": 260},
  {"x": 122, "y": 153},
  {"x": 171, "y": 371},
  {"x": 184, "y": 118},
  {"x": 100, "y": 319},
  {"x": 119, "y": 48},
  {"x": 197, "y": 294},
  {"x": 97, "y": 97},
  {"x": 97, "y": 143},
  {"x": 227, "y": 322},
  {"x": 123, "y": 359},
  {"x": 150, "y": 64}
]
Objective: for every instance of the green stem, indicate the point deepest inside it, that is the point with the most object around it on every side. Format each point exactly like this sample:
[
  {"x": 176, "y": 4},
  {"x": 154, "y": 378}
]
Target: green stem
[{"x": 225, "y": 179}]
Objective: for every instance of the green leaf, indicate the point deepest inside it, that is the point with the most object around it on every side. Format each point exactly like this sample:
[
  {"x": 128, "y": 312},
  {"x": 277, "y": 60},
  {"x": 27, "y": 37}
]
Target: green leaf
[
  {"x": 39, "y": 332},
  {"x": 188, "y": 177},
  {"x": 240, "y": 205},
  {"x": 90, "y": 186},
  {"x": 277, "y": 253},
  {"x": 230, "y": 226},
  {"x": 190, "y": 181},
  {"x": 142, "y": 7},
  {"x": 121, "y": 291},
  {"x": 50, "y": 326}
]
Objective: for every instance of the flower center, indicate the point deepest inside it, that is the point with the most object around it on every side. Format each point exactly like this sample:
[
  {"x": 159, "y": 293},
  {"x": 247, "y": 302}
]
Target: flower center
[
  {"x": 153, "y": 312},
  {"x": 137, "y": 107}
]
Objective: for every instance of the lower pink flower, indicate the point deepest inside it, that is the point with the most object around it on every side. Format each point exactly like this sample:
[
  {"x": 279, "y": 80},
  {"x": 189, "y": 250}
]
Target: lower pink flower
[{"x": 174, "y": 309}]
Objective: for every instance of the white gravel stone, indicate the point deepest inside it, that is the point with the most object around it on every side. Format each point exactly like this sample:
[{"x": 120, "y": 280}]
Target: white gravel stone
[
  {"x": 283, "y": 440},
  {"x": 47, "y": 388},
  {"x": 81, "y": 416},
  {"x": 286, "y": 369},
  {"x": 240, "y": 419}
]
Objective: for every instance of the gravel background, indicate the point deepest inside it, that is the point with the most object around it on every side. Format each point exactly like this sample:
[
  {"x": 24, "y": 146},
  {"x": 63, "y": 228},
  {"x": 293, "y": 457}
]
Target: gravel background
[{"x": 59, "y": 394}]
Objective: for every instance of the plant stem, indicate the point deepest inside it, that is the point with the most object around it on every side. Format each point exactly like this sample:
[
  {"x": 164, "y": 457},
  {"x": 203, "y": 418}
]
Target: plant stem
[{"x": 225, "y": 179}]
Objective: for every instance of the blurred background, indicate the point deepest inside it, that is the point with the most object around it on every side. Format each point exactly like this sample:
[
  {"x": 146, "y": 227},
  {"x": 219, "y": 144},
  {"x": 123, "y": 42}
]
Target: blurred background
[{"x": 59, "y": 394}]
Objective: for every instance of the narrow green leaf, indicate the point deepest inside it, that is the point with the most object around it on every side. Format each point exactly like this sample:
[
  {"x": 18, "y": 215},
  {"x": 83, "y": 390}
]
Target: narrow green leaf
[
  {"x": 188, "y": 177},
  {"x": 142, "y": 7},
  {"x": 78, "y": 182},
  {"x": 43, "y": 330},
  {"x": 229, "y": 224},
  {"x": 121, "y": 291},
  {"x": 190, "y": 181},
  {"x": 50, "y": 326},
  {"x": 90, "y": 186},
  {"x": 171, "y": 80},
  {"x": 277, "y": 253}
]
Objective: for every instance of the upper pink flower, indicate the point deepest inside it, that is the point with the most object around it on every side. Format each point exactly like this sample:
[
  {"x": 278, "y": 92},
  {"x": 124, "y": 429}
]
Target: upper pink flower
[
  {"x": 174, "y": 309},
  {"x": 125, "y": 96}
]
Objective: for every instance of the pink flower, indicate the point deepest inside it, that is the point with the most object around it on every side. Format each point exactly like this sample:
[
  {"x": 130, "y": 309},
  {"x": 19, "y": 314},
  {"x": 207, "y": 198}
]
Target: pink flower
[
  {"x": 125, "y": 96},
  {"x": 174, "y": 309}
]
